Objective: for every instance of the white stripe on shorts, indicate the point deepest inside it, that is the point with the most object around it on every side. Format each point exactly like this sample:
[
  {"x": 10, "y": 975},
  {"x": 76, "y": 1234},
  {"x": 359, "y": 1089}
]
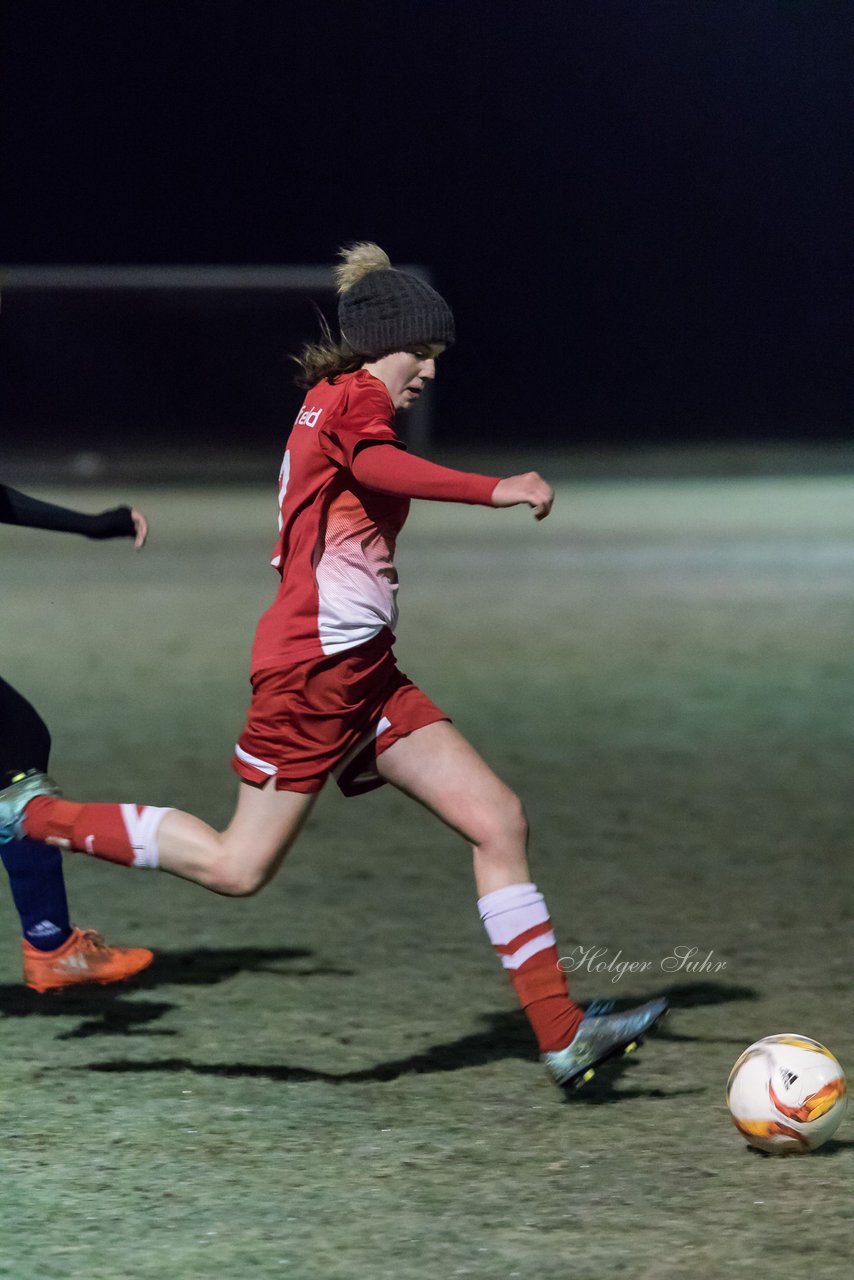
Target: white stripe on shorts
[{"x": 269, "y": 769}]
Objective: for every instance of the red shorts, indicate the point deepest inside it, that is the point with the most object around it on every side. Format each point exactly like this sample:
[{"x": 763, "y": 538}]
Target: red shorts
[{"x": 332, "y": 715}]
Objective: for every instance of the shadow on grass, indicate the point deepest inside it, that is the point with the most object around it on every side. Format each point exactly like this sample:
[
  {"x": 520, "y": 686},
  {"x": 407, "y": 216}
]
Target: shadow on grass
[
  {"x": 698, "y": 995},
  {"x": 682, "y": 995},
  {"x": 507, "y": 1037},
  {"x": 833, "y": 1147},
  {"x": 109, "y": 1010}
]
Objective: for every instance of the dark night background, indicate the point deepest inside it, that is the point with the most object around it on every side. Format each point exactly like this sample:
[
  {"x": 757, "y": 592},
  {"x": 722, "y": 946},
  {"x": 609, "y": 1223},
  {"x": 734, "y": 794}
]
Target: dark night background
[{"x": 639, "y": 209}]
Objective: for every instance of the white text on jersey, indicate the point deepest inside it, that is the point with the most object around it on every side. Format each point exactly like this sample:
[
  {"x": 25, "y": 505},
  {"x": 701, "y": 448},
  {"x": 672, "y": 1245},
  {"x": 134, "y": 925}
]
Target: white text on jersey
[{"x": 308, "y": 417}]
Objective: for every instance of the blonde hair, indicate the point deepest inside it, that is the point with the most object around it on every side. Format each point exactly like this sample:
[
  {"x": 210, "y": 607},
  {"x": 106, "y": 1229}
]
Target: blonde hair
[{"x": 328, "y": 358}]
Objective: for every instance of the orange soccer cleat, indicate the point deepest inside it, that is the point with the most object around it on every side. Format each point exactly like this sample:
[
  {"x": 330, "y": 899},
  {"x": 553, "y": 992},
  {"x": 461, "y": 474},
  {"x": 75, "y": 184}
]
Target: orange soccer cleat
[{"x": 84, "y": 957}]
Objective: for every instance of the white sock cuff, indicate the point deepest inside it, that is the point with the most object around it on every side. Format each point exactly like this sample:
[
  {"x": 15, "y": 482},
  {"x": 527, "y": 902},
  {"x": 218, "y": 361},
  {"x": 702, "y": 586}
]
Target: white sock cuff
[
  {"x": 510, "y": 898},
  {"x": 508, "y": 913},
  {"x": 511, "y": 914},
  {"x": 142, "y": 828}
]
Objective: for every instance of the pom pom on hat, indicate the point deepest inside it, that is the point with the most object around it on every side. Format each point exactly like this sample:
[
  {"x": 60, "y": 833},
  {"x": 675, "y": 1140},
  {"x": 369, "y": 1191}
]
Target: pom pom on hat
[{"x": 381, "y": 309}]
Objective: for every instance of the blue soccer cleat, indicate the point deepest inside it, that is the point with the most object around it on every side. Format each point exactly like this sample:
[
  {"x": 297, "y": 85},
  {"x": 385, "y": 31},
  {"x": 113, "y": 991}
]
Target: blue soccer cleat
[
  {"x": 599, "y": 1038},
  {"x": 15, "y": 798}
]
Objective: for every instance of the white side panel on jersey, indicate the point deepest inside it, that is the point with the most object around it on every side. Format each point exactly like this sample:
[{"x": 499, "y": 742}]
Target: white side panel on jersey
[
  {"x": 346, "y": 617},
  {"x": 356, "y": 587}
]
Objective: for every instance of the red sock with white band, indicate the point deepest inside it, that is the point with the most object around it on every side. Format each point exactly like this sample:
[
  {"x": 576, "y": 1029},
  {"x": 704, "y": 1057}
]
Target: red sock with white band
[
  {"x": 124, "y": 833},
  {"x": 517, "y": 922}
]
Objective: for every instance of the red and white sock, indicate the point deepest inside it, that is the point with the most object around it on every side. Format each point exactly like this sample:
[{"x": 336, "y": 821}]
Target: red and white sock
[
  {"x": 517, "y": 922},
  {"x": 124, "y": 833}
]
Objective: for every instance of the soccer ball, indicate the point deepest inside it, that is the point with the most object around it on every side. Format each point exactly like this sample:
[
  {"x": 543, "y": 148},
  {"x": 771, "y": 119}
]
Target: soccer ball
[{"x": 786, "y": 1094}]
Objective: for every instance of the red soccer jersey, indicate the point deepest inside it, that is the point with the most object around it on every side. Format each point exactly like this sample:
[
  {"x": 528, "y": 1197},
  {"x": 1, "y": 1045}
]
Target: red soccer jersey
[{"x": 335, "y": 552}]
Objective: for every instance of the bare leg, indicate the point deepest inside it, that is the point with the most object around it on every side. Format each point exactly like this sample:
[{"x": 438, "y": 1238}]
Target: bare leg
[
  {"x": 243, "y": 858},
  {"x": 439, "y": 768}
]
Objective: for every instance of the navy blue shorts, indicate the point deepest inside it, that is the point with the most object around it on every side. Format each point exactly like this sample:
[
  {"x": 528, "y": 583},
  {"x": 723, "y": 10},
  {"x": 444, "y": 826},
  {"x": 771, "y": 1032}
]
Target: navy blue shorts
[{"x": 24, "y": 736}]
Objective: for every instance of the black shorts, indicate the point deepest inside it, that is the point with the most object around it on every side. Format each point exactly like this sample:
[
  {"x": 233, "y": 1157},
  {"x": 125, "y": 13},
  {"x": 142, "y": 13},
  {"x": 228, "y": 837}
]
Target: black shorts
[{"x": 24, "y": 736}]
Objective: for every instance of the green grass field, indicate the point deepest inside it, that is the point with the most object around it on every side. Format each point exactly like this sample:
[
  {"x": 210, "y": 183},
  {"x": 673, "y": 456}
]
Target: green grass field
[{"x": 331, "y": 1081}]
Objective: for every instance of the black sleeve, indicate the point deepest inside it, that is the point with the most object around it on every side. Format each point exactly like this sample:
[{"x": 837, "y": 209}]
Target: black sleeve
[{"x": 18, "y": 508}]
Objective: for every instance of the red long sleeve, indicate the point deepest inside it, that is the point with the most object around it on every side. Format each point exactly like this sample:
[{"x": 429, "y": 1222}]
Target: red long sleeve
[{"x": 388, "y": 469}]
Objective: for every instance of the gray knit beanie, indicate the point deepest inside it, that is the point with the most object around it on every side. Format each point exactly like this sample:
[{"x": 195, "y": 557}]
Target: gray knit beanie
[{"x": 381, "y": 309}]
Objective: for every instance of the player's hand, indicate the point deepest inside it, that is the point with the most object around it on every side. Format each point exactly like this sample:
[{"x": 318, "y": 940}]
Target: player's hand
[
  {"x": 141, "y": 525},
  {"x": 530, "y": 488}
]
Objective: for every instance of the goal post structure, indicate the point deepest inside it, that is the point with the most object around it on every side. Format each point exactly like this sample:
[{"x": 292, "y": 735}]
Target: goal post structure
[{"x": 306, "y": 283}]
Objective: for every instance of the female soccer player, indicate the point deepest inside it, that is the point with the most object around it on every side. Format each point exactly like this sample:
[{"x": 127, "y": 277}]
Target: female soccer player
[
  {"x": 55, "y": 953},
  {"x": 327, "y": 695}
]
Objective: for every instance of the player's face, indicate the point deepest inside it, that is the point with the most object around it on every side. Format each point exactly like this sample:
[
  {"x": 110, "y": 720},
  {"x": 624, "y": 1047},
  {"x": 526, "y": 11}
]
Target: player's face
[{"x": 406, "y": 373}]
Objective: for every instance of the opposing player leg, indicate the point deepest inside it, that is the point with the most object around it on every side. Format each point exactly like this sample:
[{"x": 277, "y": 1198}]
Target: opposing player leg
[{"x": 55, "y": 954}]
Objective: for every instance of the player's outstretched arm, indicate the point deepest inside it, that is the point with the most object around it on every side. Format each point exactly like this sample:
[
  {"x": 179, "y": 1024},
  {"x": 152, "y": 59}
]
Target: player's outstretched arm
[
  {"x": 117, "y": 522},
  {"x": 388, "y": 469},
  {"x": 529, "y": 488}
]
